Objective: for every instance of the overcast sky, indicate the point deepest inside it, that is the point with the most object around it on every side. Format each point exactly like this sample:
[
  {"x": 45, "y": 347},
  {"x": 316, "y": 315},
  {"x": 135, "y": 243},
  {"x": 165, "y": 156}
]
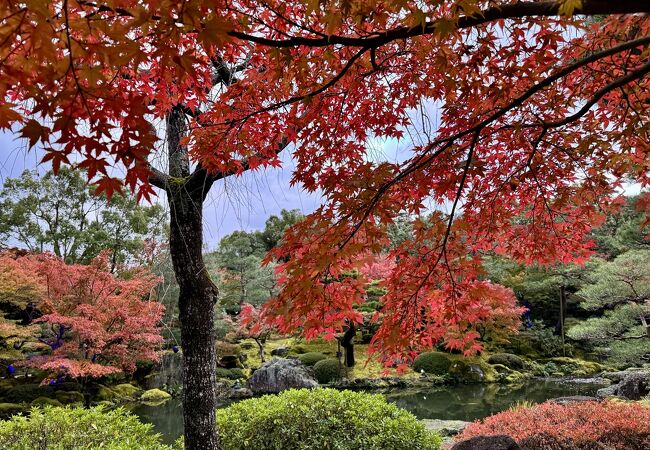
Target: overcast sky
[{"x": 236, "y": 203}]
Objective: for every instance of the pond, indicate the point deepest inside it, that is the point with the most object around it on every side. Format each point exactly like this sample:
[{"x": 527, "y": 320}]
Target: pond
[{"x": 456, "y": 402}]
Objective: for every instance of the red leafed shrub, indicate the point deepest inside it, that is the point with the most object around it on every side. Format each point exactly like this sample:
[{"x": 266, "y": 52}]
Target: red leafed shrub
[
  {"x": 580, "y": 426},
  {"x": 96, "y": 323}
]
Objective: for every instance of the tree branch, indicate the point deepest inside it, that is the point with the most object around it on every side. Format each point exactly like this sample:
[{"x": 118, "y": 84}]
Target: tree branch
[{"x": 513, "y": 11}]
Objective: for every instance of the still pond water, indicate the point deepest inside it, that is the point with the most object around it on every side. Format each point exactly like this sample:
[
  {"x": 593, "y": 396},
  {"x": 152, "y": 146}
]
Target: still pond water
[{"x": 456, "y": 402}]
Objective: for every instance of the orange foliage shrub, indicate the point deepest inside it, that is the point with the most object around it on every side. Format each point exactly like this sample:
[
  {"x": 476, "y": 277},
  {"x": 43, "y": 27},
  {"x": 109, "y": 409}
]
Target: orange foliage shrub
[{"x": 614, "y": 426}]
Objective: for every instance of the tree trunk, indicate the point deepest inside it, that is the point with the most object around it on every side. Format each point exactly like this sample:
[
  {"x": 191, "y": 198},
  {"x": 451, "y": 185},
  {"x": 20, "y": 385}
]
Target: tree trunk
[
  {"x": 562, "y": 315},
  {"x": 261, "y": 349},
  {"x": 347, "y": 342},
  {"x": 197, "y": 295}
]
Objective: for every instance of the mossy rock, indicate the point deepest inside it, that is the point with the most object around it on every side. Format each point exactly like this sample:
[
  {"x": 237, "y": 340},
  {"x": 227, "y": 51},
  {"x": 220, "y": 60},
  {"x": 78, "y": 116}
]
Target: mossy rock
[
  {"x": 155, "y": 396},
  {"x": 466, "y": 372},
  {"x": 311, "y": 358},
  {"x": 577, "y": 367},
  {"x": 515, "y": 377},
  {"x": 69, "y": 397},
  {"x": 105, "y": 394},
  {"x": 126, "y": 390},
  {"x": 435, "y": 363},
  {"x": 11, "y": 409},
  {"x": 45, "y": 401},
  {"x": 509, "y": 376},
  {"x": 507, "y": 359}
]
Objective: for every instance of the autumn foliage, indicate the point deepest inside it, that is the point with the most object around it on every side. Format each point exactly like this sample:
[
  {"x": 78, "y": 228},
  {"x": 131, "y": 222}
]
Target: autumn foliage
[
  {"x": 94, "y": 322},
  {"x": 521, "y": 120},
  {"x": 618, "y": 426}
]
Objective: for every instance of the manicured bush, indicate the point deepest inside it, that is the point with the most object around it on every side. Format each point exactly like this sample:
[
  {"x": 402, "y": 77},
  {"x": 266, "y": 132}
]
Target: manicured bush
[
  {"x": 579, "y": 426},
  {"x": 435, "y": 363},
  {"x": 508, "y": 360},
  {"x": 321, "y": 419},
  {"x": 327, "y": 370},
  {"x": 76, "y": 428},
  {"x": 232, "y": 374},
  {"x": 311, "y": 358},
  {"x": 226, "y": 348}
]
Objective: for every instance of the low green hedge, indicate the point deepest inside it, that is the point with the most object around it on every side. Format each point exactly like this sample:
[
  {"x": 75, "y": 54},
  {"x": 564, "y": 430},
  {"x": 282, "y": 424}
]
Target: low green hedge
[
  {"x": 231, "y": 374},
  {"x": 322, "y": 419},
  {"x": 435, "y": 363},
  {"x": 52, "y": 428},
  {"x": 311, "y": 358},
  {"x": 327, "y": 370}
]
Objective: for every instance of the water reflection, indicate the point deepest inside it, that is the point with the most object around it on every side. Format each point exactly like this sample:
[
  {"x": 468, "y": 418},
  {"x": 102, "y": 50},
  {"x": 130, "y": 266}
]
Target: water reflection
[{"x": 459, "y": 402}]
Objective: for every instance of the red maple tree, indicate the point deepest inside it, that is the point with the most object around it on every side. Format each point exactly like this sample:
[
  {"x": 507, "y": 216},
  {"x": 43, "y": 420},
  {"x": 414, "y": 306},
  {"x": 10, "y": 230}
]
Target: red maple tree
[
  {"x": 523, "y": 120},
  {"x": 250, "y": 324},
  {"x": 96, "y": 323}
]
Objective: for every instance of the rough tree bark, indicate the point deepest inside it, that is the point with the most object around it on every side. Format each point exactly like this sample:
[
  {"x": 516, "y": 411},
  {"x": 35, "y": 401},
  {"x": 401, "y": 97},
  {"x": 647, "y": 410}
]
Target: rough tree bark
[
  {"x": 186, "y": 190},
  {"x": 197, "y": 292}
]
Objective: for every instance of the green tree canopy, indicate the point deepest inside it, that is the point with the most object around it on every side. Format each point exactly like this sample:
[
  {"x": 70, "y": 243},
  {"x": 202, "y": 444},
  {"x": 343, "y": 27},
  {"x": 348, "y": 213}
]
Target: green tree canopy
[
  {"x": 620, "y": 290},
  {"x": 60, "y": 213},
  {"x": 623, "y": 231},
  {"x": 275, "y": 227}
]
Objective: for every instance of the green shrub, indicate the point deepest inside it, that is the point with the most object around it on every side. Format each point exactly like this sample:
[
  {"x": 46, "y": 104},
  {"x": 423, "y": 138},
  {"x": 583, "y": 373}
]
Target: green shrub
[
  {"x": 226, "y": 348},
  {"x": 435, "y": 363},
  {"x": 322, "y": 419},
  {"x": 508, "y": 360},
  {"x": 232, "y": 374},
  {"x": 327, "y": 370},
  {"x": 311, "y": 358},
  {"x": 52, "y": 428}
]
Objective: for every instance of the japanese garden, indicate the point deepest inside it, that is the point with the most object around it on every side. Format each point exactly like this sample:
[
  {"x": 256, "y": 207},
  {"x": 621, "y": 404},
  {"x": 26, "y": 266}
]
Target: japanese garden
[{"x": 325, "y": 224}]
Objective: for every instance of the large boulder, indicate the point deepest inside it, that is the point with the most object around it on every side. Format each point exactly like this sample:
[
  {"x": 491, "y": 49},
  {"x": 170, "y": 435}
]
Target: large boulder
[
  {"x": 498, "y": 442},
  {"x": 609, "y": 391},
  {"x": 168, "y": 373},
  {"x": 280, "y": 351},
  {"x": 280, "y": 374},
  {"x": 634, "y": 386}
]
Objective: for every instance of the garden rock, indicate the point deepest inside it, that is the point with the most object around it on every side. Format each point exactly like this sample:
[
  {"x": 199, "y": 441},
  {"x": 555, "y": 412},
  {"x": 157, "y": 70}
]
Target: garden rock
[
  {"x": 280, "y": 351},
  {"x": 573, "y": 399},
  {"x": 445, "y": 428},
  {"x": 634, "y": 386},
  {"x": 280, "y": 374},
  {"x": 608, "y": 391},
  {"x": 240, "y": 393},
  {"x": 498, "y": 442}
]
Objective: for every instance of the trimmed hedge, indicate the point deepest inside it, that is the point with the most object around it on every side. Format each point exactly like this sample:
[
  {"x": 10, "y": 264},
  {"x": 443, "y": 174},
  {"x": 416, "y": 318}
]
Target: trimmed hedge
[
  {"x": 322, "y": 419},
  {"x": 311, "y": 358},
  {"x": 327, "y": 370},
  {"x": 435, "y": 363},
  {"x": 231, "y": 374},
  {"x": 55, "y": 428}
]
